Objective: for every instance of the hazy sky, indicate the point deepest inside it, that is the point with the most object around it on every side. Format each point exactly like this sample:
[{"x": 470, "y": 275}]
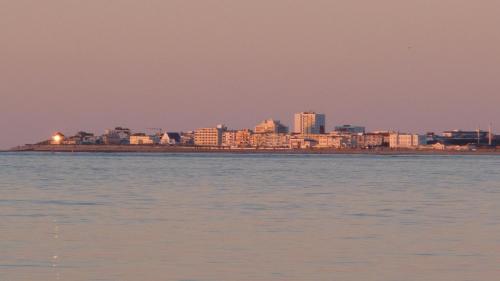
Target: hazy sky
[{"x": 415, "y": 65}]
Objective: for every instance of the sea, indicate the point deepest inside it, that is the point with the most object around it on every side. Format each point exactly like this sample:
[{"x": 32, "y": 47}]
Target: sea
[{"x": 249, "y": 217}]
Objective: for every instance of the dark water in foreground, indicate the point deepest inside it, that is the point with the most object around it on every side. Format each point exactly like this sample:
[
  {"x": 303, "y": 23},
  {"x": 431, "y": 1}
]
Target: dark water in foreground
[{"x": 211, "y": 217}]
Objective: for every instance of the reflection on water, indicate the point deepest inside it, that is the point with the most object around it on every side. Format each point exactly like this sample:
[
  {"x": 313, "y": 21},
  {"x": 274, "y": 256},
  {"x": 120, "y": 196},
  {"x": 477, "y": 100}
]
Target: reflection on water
[{"x": 248, "y": 217}]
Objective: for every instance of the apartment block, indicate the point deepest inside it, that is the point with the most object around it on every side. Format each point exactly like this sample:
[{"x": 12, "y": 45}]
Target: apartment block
[
  {"x": 309, "y": 123},
  {"x": 400, "y": 140},
  {"x": 209, "y": 136}
]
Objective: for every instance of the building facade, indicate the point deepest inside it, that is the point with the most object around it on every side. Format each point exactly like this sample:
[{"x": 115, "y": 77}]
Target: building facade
[
  {"x": 370, "y": 140},
  {"x": 187, "y": 138},
  {"x": 270, "y": 140},
  {"x": 209, "y": 136},
  {"x": 333, "y": 141},
  {"x": 141, "y": 138},
  {"x": 399, "y": 140},
  {"x": 309, "y": 123},
  {"x": 243, "y": 138},
  {"x": 298, "y": 142},
  {"x": 117, "y": 135},
  {"x": 459, "y": 137},
  {"x": 229, "y": 138}
]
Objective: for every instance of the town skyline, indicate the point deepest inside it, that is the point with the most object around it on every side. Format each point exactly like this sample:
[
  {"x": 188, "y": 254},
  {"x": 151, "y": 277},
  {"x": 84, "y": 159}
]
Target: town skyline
[
  {"x": 308, "y": 132},
  {"x": 150, "y": 129},
  {"x": 413, "y": 66}
]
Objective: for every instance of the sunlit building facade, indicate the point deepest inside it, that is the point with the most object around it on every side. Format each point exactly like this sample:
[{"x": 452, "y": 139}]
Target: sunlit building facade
[
  {"x": 400, "y": 140},
  {"x": 309, "y": 123},
  {"x": 209, "y": 136}
]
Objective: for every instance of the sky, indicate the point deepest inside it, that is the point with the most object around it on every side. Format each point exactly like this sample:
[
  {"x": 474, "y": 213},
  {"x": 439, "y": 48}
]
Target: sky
[{"x": 413, "y": 66}]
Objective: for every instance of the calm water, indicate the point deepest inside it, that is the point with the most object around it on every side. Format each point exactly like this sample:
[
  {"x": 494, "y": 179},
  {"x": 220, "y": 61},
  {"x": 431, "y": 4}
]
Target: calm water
[{"x": 210, "y": 217}]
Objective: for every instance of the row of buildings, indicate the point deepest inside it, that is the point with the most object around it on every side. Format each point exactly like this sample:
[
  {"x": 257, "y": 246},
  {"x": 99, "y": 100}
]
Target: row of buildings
[{"x": 309, "y": 132}]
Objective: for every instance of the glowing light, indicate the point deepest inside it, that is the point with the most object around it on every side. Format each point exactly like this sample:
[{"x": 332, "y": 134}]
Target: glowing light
[{"x": 57, "y": 138}]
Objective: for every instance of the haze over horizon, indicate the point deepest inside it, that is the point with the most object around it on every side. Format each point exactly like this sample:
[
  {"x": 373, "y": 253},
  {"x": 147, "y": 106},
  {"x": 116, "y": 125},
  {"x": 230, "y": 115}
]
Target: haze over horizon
[{"x": 412, "y": 66}]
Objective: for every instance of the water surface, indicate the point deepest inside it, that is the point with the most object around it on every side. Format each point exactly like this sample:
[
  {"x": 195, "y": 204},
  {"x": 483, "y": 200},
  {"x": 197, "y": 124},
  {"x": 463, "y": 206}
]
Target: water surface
[{"x": 211, "y": 217}]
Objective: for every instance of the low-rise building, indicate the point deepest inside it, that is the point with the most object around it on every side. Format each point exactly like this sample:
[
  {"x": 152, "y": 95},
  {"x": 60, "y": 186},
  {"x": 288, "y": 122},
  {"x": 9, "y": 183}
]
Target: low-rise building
[
  {"x": 459, "y": 137},
  {"x": 141, "y": 139},
  {"x": 300, "y": 142},
  {"x": 117, "y": 135},
  {"x": 85, "y": 138},
  {"x": 270, "y": 140},
  {"x": 333, "y": 141},
  {"x": 371, "y": 140},
  {"x": 403, "y": 140},
  {"x": 187, "y": 138}
]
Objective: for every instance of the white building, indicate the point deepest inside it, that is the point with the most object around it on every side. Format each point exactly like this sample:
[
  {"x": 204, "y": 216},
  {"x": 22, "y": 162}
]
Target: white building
[
  {"x": 141, "y": 138},
  {"x": 399, "y": 140},
  {"x": 309, "y": 123}
]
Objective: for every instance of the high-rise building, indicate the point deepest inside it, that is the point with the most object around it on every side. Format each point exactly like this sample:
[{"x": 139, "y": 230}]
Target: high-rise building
[
  {"x": 271, "y": 126},
  {"x": 309, "y": 123}
]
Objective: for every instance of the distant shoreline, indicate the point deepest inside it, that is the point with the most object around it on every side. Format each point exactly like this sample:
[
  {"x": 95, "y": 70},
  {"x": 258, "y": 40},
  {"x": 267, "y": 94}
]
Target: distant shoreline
[{"x": 192, "y": 149}]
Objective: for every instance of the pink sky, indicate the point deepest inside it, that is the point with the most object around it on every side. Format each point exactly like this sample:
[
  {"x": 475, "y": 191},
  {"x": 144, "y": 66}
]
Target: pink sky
[{"x": 418, "y": 66}]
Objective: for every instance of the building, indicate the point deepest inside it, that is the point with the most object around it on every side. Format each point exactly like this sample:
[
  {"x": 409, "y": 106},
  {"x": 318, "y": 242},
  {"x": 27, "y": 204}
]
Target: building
[
  {"x": 333, "y": 141},
  {"x": 370, "y": 140},
  {"x": 237, "y": 138},
  {"x": 270, "y": 140},
  {"x": 243, "y": 138},
  {"x": 170, "y": 138},
  {"x": 399, "y": 140},
  {"x": 459, "y": 137},
  {"x": 117, "y": 135},
  {"x": 350, "y": 129},
  {"x": 141, "y": 139},
  {"x": 229, "y": 138},
  {"x": 271, "y": 126},
  {"x": 298, "y": 142},
  {"x": 86, "y": 138},
  {"x": 187, "y": 138},
  {"x": 309, "y": 123},
  {"x": 209, "y": 136}
]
